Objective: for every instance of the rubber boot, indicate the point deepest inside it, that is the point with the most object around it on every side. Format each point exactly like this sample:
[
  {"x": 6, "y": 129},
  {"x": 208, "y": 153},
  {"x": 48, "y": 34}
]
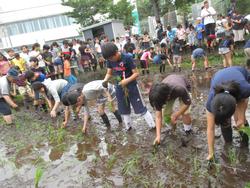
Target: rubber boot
[
  {"x": 118, "y": 116},
  {"x": 105, "y": 119}
]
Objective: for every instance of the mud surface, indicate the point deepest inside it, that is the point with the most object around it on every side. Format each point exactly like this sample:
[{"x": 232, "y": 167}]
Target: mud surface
[{"x": 115, "y": 158}]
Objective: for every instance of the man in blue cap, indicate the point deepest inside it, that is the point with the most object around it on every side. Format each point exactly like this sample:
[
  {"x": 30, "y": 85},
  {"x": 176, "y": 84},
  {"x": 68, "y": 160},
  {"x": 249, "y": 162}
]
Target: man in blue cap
[{"x": 5, "y": 100}]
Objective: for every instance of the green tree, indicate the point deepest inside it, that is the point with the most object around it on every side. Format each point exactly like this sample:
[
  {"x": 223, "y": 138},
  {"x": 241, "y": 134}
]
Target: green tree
[
  {"x": 243, "y": 6},
  {"x": 84, "y": 11},
  {"x": 122, "y": 11},
  {"x": 144, "y": 8}
]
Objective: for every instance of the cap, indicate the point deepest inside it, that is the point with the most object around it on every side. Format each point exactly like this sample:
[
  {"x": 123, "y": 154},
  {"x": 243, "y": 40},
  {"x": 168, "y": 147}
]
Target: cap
[
  {"x": 198, "y": 18},
  {"x": 13, "y": 73}
]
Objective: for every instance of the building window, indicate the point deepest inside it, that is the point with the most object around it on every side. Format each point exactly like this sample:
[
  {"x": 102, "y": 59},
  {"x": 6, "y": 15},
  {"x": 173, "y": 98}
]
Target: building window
[
  {"x": 51, "y": 23},
  {"x": 36, "y": 25},
  {"x": 29, "y": 26},
  {"x": 43, "y": 23},
  {"x": 58, "y": 21},
  {"x": 39, "y": 24}
]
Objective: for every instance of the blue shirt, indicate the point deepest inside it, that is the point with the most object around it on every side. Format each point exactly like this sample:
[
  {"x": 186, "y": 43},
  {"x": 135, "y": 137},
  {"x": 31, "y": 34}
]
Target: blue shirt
[
  {"x": 171, "y": 35},
  {"x": 198, "y": 52},
  {"x": 199, "y": 29},
  {"x": 41, "y": 77},
  {"x": 123, "y": 68},
  {"x": 247, "y": 45},
  {"x": 235, "y": 73}
]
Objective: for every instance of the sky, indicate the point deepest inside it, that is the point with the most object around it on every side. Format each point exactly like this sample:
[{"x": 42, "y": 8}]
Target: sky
[{"x": 8, "y": 5}]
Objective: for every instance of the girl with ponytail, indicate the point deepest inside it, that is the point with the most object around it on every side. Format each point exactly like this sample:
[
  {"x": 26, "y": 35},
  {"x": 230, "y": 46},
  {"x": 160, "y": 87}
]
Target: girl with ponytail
[{"x": 228, "y": 96}]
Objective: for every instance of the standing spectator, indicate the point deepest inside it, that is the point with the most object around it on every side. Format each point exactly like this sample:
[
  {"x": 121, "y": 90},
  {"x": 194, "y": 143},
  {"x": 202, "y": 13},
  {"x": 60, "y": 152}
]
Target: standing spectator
[
  {"x": 99, "y": 53},
  {"x": 171, "y": 33},
  {"x": 76, "y": 46},
  {"x": 159, "y": 30},
  {"x": 34, "y": 66},
  {"x": 129, "y": 46},
  {"x": 164, "y": 57},
  {"x": 192, "y": 37},
  {"x": 181, "y": 35},
  {"x": 37, "y": 53},
  {"x": 85, "y": 58},
  {"x": 177, "y": 57},
  {"x": 25, "y": 55},
  {"x": 67, "y": 70},
  {"x": 207, "y": 14},
  {"x": 4, "y": 65},
  {"x": 19, "y": 62},
  {"x": 65, "y": 47},
  {"x": 145, "y": 41},
  {"x": 200, "y": 28},
  {"x": 11, "y": 54},
  {"x": 118, "y": 44},
  {"x": 73, "y": 59},
  {"x": 47, "y": 57},
  {"x": 226, "y": 49},
  {"x": 57, "y": 60},
  {"x": 238, "y": 27}
]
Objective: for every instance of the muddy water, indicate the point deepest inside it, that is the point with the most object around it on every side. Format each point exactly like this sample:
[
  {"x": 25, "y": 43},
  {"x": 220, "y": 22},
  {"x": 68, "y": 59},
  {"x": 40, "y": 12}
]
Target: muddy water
[{"x": 114, "y": 158}]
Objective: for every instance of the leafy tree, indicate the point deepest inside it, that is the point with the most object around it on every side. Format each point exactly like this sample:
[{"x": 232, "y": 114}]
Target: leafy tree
[
  {"x": 84, "y": 11},
  {"x": 156, "y": 9},
  {"x": 122, "y": 11},
  {"x": 144, "y": 8}
]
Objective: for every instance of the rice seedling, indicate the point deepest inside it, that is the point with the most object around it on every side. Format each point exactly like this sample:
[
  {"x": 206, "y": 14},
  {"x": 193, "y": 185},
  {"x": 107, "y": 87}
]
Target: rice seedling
[
  {"x": 130, "y": 166},
  {"x": 111, "y": 161},
  {"x": 38, "y": 176},
  {"x": 170, "y": 156},
  {"x": 247, "y": 185},
  {"x": 232, "y": 157}
]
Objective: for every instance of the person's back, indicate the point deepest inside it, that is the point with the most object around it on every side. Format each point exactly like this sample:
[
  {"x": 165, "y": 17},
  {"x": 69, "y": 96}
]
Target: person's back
[
  {"x": 234, "y": 73},
  {"x": 93, "y": 90},
  {"x": 178, "y": 84},
  {"x": 176, "y": 48},
  {"x": 56, "y": 85}
]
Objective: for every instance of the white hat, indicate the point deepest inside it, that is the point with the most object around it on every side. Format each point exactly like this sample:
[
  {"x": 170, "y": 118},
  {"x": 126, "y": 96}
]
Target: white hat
[{"x": 198, "y": 18}]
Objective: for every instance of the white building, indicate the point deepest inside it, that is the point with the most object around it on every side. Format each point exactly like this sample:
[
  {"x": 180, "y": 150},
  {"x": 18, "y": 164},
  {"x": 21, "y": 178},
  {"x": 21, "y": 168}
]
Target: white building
[{"x": 40, "y": 23}]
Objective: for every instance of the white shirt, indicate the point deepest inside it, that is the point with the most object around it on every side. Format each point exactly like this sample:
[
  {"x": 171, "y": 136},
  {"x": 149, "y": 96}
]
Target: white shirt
[
  {"x": 98, "y": 48},
  {"x": 119, "y": 45},
  {"x": 93, "y": 90},
  {"x": 39, "y": 57},
  {"x": 76, "y": 48},
  {"x": 26, "y": 57},
  {"x": 55, "y": 87},
  {"x": 208, "y": 14},
  {"x": 4, "y": 86}
]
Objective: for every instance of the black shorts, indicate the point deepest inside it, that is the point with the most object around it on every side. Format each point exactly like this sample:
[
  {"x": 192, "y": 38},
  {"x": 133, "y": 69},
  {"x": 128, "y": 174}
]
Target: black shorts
[
  {"x": 4, "y": 107},
  {"x": 143, "y": 64}
]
